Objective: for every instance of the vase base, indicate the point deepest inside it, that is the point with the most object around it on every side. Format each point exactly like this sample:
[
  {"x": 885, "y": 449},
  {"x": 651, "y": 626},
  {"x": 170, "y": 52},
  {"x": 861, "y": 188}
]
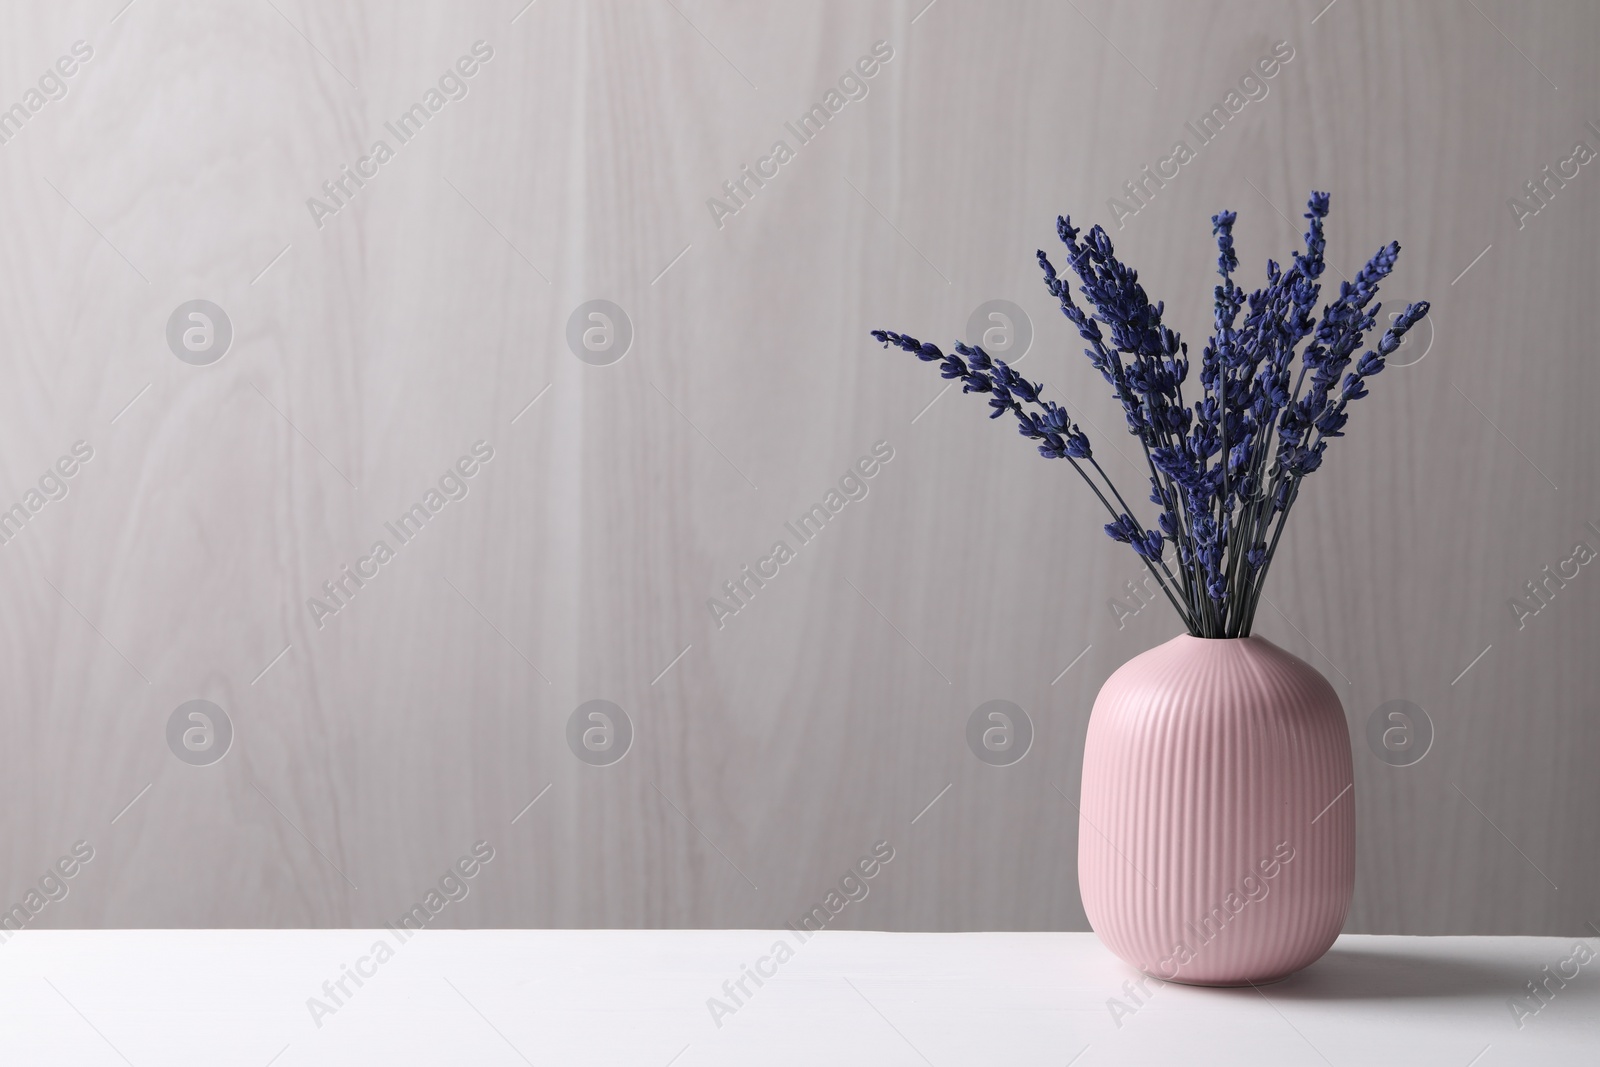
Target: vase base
[{"x": 1241, "y": 984}]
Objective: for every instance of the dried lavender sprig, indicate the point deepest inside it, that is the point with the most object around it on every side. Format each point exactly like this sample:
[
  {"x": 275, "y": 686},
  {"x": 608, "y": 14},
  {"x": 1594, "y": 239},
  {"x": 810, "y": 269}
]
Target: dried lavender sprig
[
  {"x": 1063, "y": 439},
  {"x": 1083, "y": 258},
  {"x": 1227, "y": 468},
  {"x": 1371, "y": 363},
  {"x": 1147, "y": 386}
]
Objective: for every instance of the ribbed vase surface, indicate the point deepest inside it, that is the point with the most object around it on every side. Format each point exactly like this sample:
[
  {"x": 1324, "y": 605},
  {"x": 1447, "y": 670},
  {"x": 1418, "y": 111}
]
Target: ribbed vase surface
[{"x": 1216, "y": 837}]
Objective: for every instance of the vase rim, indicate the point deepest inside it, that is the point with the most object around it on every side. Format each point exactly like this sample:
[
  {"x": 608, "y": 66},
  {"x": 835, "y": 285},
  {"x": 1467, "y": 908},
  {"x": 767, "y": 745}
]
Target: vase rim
[{"x": 1187, "y": 637}]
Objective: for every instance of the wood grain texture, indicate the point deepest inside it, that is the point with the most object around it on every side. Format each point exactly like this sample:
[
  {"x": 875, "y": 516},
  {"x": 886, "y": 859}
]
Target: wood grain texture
[{"x": 828, "y": 713}]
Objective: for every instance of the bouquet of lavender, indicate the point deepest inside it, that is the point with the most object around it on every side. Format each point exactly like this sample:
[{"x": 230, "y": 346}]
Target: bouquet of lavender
[{"x": 1226, "y": 468}]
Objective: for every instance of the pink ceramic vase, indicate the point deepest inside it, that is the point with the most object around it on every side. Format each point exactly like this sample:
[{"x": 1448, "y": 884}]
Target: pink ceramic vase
[{"x": 1216, "y": 836}]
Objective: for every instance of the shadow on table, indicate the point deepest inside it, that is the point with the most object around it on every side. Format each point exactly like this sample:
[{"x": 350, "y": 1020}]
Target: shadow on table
[{"x": 1350, "y": 973}]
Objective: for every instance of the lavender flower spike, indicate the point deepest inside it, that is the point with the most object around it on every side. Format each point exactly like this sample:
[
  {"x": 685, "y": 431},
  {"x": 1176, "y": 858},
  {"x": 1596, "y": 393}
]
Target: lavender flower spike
[{"x": 1225, "y": 465}]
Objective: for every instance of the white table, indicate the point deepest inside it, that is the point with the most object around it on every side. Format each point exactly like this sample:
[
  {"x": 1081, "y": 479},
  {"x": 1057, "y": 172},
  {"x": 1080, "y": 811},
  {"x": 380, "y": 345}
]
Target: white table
[{"x": 229, "y": 997}]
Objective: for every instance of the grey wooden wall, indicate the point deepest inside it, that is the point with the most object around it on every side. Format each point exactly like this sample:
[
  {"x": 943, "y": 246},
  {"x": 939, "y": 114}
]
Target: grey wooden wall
[{"x": 372, "y": 346}]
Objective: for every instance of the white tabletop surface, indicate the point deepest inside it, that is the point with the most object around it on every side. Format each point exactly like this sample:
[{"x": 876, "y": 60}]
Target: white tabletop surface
[{"x": 511, "y": 997}]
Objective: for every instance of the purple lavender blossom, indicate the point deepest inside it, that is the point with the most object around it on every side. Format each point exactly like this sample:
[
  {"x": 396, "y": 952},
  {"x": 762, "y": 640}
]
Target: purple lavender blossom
[{"x": 1226, "y": 467}]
